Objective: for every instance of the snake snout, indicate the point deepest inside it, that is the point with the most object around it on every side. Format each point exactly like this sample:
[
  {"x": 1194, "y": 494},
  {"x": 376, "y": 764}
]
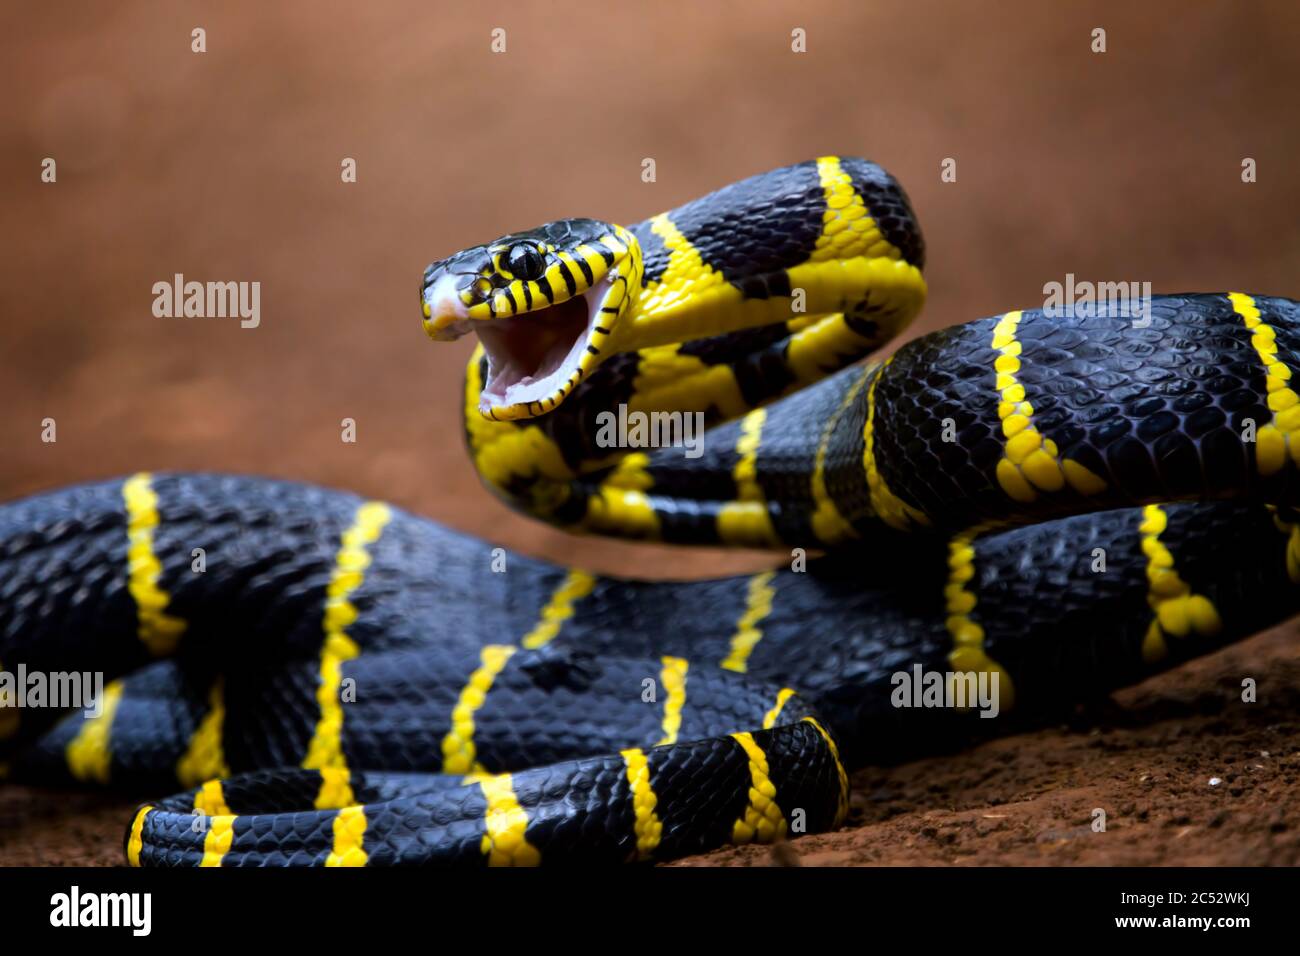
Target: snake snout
[{"x": 446, "y": 316}]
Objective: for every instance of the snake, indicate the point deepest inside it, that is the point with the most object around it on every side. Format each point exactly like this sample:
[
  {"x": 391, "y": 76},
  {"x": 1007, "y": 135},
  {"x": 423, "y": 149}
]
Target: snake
[{"x": 1005, "y": 518}]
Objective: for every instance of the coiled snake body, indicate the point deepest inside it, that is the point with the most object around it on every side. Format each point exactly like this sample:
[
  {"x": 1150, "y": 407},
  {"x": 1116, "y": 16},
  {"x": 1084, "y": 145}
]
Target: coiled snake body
[{"x": 1067, "y": 503}]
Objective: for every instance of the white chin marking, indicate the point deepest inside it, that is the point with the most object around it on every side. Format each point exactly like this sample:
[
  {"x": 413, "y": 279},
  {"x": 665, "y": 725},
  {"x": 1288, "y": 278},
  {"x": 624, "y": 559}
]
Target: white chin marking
[
  {"x": 443, "y": 300},
  {"x": 517, "y": 379}
]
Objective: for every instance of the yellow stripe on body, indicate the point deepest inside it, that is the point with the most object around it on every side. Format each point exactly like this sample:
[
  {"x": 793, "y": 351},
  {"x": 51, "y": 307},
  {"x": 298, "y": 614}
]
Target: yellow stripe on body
[
  {"x": 505, "y": 821},
  {"x": 968, "y": 652},
  {"x": 349, "y": 834},
  {"x": 326, "y": 747},
  {"x": 758, "y": 605},
  {"x": 848, "y": 230},
  {"x": 217, "y": 841},
  {"x": 823, "y": 344},
  {"x": 890, "y": 508},
  {"x": 210, "y": 801},
  {"x": 747, "y": 521},
  {"x": 204, "y": 758},
  {"x": 843, "y": 806},
  {"x": 673, "y": 679},
  {"x": 90, "y": 753},
  {"x": 669, "y": 380},
  {"x": 649, "y": 829},
  {"x": 459, "y": 754},
  {"x": 158, "y": 631},
  {"x": 1280, "y": 438},
  {"x": 135, "y": 842},
  {"x": 1292, "y": 530},
  {"x": 782, "y": 697},
  {"x": 576, "y": 585},
  {"x": 690, "y": 300},
  {"x": 1031, "y": 462},
  {"x": 827, "y": 523},
  {"x": 335, "y": 789},
  {"x": 1178, "y": 611},
  {"x": 505, "y": 842},
  {"x": 630, "y": 473},
  {"x": 762, "y": 821},
  {"x": 889, "y": 293},
  {"x": 864, "y": 259},
  {"x": 619, "y": 505}
]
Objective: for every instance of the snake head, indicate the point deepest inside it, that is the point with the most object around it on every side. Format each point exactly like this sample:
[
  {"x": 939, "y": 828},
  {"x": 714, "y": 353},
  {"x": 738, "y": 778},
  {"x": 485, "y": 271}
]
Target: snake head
[{"x": 543, "y": 303}]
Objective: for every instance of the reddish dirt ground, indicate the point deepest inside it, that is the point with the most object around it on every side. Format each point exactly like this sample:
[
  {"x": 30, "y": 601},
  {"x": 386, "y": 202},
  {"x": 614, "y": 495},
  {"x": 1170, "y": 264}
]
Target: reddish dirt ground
[
  {"x": 225, "y": 165},
  {"x": 1146, "y": 759}
]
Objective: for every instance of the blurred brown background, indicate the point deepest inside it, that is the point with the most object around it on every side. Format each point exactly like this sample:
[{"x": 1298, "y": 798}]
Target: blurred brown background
[{"x": 225, "y": 165}]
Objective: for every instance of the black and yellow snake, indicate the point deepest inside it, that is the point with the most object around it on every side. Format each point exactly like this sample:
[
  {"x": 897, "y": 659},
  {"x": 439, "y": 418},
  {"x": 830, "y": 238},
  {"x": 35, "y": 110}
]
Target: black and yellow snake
[{"x": 1067, "y": 503}]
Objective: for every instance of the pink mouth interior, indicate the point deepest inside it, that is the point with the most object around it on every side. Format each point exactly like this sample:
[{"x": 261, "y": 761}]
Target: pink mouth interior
[{"x": 531, "y": 356}]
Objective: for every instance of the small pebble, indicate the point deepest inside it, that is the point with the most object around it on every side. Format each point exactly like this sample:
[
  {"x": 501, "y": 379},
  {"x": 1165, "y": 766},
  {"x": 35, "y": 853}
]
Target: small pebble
[{"x": 1215, "y": 781}]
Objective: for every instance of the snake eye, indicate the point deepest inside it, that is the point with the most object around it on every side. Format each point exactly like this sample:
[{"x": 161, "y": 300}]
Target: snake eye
[{"x": 525, "y": 261}]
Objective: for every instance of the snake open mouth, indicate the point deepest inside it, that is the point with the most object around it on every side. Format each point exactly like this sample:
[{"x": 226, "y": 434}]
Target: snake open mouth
[
  {"x": 535, "y": 358},
  {"x": 532, "y": 357}
]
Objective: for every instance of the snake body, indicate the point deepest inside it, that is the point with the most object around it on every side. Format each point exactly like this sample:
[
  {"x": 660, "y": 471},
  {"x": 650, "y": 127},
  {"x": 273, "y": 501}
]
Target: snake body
[{"x": 1067, "y": 503}]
